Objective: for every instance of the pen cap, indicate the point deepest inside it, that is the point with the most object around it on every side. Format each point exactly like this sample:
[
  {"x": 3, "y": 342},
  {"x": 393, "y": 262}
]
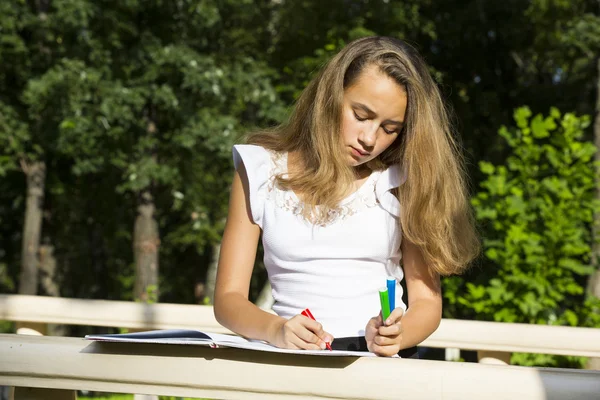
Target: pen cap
[
  {"x": 306, "y": 312},
  {"x": 391, "y": 286},
  {"x": 385, "y": 303}
]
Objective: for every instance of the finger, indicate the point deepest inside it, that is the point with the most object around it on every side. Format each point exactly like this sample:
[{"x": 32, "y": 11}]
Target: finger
[
  {"x": 294, "y": 332},
  {"x": 384, "y": 351},
  {"x": 392, "y": 330},
  {"x": 395, "y": 316},
  {"x": 315, "y": 327},
  {"x": 312, "y": 346},
  {"x": 375, "y": 321},
  {"x": 308, "y": 337},
  {"x": 319, "y": 337},
  {"x": 293, "y": 343},
  {"x": 318, "y": 345},
  {"x": 372, "y": 325},
  {"x": 297, "y": 342},
  {"x": 384, "y": 341}
]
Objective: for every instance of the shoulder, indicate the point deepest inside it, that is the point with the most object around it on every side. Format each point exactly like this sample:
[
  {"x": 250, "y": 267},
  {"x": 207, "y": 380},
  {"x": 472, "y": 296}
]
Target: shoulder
[
  {"x": 249, "y": 153},
  {"x": 389, "y": 179},
  {"x": 254, "y": 165}
]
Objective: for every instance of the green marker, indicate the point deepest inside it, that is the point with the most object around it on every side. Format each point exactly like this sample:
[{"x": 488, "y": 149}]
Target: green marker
[{"x": 385, "y": 303}]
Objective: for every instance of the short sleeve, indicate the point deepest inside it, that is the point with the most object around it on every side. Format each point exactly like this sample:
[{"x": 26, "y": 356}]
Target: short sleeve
[
  {"x": 257, "y": 162},
  {"x": 390, "y": 179}
]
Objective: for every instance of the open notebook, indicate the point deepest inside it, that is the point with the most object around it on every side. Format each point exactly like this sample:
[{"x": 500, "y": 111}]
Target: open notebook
[{"x": 213, "y": 340}]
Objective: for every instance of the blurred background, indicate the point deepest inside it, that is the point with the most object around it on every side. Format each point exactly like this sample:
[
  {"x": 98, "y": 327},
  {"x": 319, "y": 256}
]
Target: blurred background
[{"x": 117, "y": 120}]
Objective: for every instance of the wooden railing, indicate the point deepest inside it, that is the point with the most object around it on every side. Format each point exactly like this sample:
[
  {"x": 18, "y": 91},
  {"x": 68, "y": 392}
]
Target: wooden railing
[
  {"x": 52, "y": 368},
  {"x": 468, "y": 335}
]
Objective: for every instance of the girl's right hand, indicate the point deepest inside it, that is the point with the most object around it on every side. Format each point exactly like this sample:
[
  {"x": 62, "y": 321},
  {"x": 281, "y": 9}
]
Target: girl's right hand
[{"x": 300, "y": 332}]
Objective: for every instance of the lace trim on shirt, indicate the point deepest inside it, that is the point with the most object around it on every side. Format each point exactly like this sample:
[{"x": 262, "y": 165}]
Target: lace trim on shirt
[{"x": 363, "y": 198}]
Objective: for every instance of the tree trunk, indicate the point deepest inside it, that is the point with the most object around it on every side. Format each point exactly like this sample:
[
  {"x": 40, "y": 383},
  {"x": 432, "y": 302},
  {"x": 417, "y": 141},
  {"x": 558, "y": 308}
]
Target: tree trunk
[
  {"x": 49, "y": 284},
  {"x": 146, "y": 242},
  {"x": 48, "y": 271},
  {"x": 593, "y": 286},
  {"x": 211, "y": 274},
  {"x": 145, "y": 248},
  {"x": 36, "y": 177}
]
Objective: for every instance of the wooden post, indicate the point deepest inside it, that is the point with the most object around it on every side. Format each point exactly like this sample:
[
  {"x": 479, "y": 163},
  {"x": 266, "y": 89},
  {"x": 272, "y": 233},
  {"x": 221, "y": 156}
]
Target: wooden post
[
  {"x": 31, "y": 328},
  {"x": 493, "y": 357}
]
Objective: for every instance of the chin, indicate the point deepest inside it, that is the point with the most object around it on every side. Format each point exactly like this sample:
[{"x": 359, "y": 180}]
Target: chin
[{"x": 353, "y": 162}]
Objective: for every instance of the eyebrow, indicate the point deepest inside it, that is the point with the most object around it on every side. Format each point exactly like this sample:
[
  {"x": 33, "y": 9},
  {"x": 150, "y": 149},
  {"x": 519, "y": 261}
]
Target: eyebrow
[{"x": 373, "y": 113}]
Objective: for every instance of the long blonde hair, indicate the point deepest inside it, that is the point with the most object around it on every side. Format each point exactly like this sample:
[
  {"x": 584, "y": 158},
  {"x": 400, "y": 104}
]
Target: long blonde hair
[{"x": 435, "y": 213}]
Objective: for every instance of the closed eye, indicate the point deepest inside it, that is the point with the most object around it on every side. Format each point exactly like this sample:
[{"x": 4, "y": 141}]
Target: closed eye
[
  {"x": 391, "y": 132},
  {"x": 359, "y": 118}
]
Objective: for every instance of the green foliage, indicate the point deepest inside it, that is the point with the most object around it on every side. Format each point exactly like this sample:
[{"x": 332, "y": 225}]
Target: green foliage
[
  {"x": 151, "y": 294},
  {"x": 311, "y": 31},
  {"x": 7, "y": 327},
  {"x": 105, "y": 396},
  {"x": 534, "y": 360},
  {"x": 124, "y": 98},
  {"x": 536, "y": 212},
  {"x": 6, "y": 283},
  {"x": 13, "y": 136},
  {"x": 129, "y": 397}
]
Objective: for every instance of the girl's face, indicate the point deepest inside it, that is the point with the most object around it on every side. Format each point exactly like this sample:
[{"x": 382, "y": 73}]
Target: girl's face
[{"x": 372, "y": 115}]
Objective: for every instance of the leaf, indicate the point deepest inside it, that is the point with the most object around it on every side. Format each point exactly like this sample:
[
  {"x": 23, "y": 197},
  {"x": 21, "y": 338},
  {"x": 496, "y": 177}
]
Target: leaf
[
  {"x": 486, "y": 167},
  {"x": 575, "y": 266},
  {"x": 571, "y": 317},
  {"x": 521, "y": 116},
  {"x": 539, "y": 128}
]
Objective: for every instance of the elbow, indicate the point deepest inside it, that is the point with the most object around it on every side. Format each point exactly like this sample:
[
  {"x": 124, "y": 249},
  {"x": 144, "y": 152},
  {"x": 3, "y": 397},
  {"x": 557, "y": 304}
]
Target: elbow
[
  {"x": 434, "y": 316},
  {"x": 218, "y": 307},
  {"x": 437, "y": 321},
  {"x": 221, "y": 310},
  {"x": 437, "y": 307},
  {"x": 430, "y": 311}
]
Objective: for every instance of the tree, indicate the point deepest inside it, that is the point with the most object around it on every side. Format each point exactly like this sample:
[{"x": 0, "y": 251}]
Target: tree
[
  {"x": 32, "y": 43},
  {"x": 536, "y": 212},
  {"x": 139, "y": 105}
]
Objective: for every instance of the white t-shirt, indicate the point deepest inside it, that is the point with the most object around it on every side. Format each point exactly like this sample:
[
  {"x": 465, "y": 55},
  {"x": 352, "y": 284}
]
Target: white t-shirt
[{"x": 336, "y": 269}]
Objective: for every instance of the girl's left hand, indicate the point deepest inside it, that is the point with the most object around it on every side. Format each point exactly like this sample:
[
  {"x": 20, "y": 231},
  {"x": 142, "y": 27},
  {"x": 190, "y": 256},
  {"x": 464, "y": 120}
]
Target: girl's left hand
[{"x": 382, "y": 338}]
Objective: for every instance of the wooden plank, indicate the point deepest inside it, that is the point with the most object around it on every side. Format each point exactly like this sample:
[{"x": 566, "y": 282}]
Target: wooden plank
[
  {"x": 472, "y": 335},
  {"x": 508, "y": 337},
  {"x": 109, "y": 313},
  {"x": 194, "y": 371}
]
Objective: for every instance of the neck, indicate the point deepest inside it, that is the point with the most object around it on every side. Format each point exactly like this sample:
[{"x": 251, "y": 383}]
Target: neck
[{"x": 362, "y": 171}]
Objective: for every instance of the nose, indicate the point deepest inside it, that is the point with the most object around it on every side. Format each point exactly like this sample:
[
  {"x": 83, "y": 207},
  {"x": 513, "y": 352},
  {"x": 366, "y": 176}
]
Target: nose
[{"x": 368, "y": 136}]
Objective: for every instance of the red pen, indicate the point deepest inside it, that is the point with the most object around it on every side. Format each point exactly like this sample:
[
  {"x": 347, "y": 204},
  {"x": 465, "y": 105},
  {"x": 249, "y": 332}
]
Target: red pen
[{"x": 308, "y": 314}]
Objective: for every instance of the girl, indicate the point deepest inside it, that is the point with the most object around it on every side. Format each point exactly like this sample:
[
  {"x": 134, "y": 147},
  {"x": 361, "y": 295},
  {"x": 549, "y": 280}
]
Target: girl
[{"x": 363, "y": 182}]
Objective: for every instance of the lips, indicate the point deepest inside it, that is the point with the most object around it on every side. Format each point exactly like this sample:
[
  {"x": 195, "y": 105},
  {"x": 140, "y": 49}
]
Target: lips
[{"x": 359, "y": 152}]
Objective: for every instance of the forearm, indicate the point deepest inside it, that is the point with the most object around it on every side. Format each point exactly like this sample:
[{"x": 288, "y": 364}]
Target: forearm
[
  {"x": 420, "y": 320},
  {"x": 237, "y": 313}
]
